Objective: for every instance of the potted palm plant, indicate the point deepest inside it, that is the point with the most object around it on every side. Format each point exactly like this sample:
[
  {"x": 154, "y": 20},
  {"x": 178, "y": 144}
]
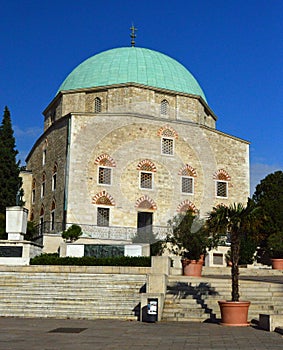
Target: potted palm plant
[
  {"x": 235, "y": 220},
  {"x": 189, "y": 239}
]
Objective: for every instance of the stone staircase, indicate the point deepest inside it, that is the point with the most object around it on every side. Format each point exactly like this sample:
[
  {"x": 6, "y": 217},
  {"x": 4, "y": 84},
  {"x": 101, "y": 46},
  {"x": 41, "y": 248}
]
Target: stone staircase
[
  {"x": 195, "y": 299},
  {"x": 70, "y": 295}
]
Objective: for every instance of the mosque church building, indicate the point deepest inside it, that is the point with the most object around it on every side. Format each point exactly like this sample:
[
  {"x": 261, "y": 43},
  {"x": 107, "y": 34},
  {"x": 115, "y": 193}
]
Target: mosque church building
[{"x": 129, "y": 141}]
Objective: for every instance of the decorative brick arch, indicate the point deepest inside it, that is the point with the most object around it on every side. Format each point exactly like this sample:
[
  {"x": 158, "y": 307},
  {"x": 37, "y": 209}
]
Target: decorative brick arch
[
  {"x": 167, "y": 131},
  {"x": 146, "y": 165},
  {"x": 185, "y": 206},
  {"x": 145, "y": 202},
  {"x": 221, "y": 174},
  {"x": 105, "y": 160},
  {"x": 188, "y": 170},
  {"x": 103, "y": 198}
]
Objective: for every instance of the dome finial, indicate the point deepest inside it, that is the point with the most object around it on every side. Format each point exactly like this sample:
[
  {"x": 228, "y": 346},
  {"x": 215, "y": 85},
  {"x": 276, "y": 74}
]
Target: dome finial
[{"x": 133, "y": 35}]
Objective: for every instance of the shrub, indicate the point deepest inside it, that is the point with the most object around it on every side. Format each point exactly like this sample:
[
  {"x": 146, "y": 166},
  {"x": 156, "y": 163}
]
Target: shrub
[
  {"x": 72, "y": 233},
  {"x": 54, "y": 259}
]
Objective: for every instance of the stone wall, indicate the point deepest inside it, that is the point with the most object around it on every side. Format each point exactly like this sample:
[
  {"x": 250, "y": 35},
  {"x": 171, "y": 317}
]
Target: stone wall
[{"x": 54, "y": 142}]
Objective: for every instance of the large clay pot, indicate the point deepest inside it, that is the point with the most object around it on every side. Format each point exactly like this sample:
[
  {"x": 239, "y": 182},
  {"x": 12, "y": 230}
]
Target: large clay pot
[
  {"x": 192, "y": 267},
  {"x": 277, "y": 264},
  {"x": 234, "y": 313}
]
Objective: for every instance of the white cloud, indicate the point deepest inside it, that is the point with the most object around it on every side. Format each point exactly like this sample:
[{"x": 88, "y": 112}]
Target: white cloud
[{"x": 28, "y": 132}]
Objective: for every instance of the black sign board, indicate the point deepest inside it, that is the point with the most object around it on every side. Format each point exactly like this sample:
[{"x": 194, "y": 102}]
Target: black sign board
[{"x": 11, "y": 252}]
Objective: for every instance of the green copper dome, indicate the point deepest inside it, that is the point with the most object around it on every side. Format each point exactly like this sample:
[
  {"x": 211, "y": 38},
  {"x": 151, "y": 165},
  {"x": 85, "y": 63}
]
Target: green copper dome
[{"x": 132, "y": 65}]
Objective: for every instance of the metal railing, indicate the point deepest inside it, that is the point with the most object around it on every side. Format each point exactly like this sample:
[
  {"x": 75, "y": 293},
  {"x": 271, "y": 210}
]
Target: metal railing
[{"x": 154, "y": 233}]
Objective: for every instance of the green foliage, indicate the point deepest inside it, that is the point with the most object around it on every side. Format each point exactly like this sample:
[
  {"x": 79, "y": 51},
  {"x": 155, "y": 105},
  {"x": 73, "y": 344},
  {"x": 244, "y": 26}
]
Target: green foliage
[
  {"x": 10, "y": 182},
  {"x": 3, "y": 234},
  {"x": 269, "y": 197},
  {"x": 275, "y": 245},
  {"x": 72, "y": 233},
  {"x": 248, "y": 247},
  {"x": 239, "y": 221},
  {"x": 31, "y": 231},
  {"x": 189, "y": 237},
  {"x": 54, "y": 259}
]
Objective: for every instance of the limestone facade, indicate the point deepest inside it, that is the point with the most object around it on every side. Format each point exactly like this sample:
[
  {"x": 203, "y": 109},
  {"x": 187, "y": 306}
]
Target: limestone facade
[{"x": 131, "y": 153}]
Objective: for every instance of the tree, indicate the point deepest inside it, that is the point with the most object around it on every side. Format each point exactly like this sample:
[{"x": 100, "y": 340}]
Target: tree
[
  {"x": 269, "y": 197},
  {"x": 237, "y": 220},
  {"x": 10, "y": 182},
  {"x": 188, "y": 237}
]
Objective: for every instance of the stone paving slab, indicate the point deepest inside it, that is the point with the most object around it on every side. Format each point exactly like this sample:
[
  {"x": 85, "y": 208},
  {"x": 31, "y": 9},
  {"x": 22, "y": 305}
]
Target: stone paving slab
[{"x": 54, "y": 334}]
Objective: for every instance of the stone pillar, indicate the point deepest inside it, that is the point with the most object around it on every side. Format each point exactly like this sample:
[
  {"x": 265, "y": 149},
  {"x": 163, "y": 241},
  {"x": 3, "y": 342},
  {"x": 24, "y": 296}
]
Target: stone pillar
[{"x": 16, "y": 223}]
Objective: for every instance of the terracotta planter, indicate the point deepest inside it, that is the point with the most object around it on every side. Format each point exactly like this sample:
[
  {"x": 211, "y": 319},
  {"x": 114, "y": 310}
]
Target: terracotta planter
[
  {"x": 192, "y": 267},
  {"x": 234, "y": 313},
  {"x": 277, "y": 264}
]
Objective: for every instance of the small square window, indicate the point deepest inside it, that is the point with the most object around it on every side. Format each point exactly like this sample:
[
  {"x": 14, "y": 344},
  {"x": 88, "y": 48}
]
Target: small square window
[
  {"x": 187, "y": 185},
  {"x": 103, "y": 216},
  {"x": 145, "y": 180},
  {"x": 104, "y": 176},
  {"x": 221, "y": 189},
  {"x": 167, "y": 146}
]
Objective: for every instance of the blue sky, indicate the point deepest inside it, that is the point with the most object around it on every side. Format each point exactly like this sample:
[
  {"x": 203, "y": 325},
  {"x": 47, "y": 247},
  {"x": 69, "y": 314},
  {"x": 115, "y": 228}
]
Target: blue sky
[{"x": 233, "y": 48}]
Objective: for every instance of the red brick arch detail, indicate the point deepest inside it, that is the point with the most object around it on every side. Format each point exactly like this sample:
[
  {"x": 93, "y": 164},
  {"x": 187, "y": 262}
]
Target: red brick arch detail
[
  {"x": 186, "y": 205},
  {"x": 103, "y": 198},
  {"x": 188, "y": 170},
  {"x": 162, "y": 130},
  {"x": 149, "y": 205},
  {"x": 105, "y": 157},
  {"x": 221, "y": 174},
  {"x": 146, "y": 163}
]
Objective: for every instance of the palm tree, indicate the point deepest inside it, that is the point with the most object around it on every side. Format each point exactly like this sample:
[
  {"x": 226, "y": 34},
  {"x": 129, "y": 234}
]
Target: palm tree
[{"x": 236, "y": 220}]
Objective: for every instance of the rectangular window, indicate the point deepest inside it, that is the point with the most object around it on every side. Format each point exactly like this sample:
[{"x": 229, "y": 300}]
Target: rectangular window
[
  {"x": 146, "y": 180},
  {"x": 104, "y": 176},
  {"x": 187, "y": 185},
  {"x": 103, "y": 216},
  {"x": 167, "y": 146},
  {"x": 221, "y": 189}
]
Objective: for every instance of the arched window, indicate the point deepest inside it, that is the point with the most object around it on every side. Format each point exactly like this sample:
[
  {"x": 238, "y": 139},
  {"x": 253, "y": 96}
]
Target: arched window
[
  {"x": 147, "y": 168},
  {"x": 41, "y": 220},
  {"x": 33, "y": 191},
  {"x": 164, "y": 106},
  {"x": 106, "y": 163},
  {"x": 44, "y": 151},
  {"x": 221, "y": 178},
  {"x": 52, "y": 216},
  {"x": 168, "y": 136},
  {"x": 187, "y": 179},
  {"x": 54, "y": 177},
  {"x": 104, "y": 201},
  {"x": 97, "y": 105},
  {"x": 43, "y": 185}
]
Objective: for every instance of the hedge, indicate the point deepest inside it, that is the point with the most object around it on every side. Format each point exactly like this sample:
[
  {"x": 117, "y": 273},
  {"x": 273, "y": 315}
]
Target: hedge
[{"x": 54, "y": 259}]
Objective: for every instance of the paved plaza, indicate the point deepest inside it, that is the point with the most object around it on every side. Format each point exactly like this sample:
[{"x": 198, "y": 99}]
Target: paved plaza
[{"x": 51, "y": 334}]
